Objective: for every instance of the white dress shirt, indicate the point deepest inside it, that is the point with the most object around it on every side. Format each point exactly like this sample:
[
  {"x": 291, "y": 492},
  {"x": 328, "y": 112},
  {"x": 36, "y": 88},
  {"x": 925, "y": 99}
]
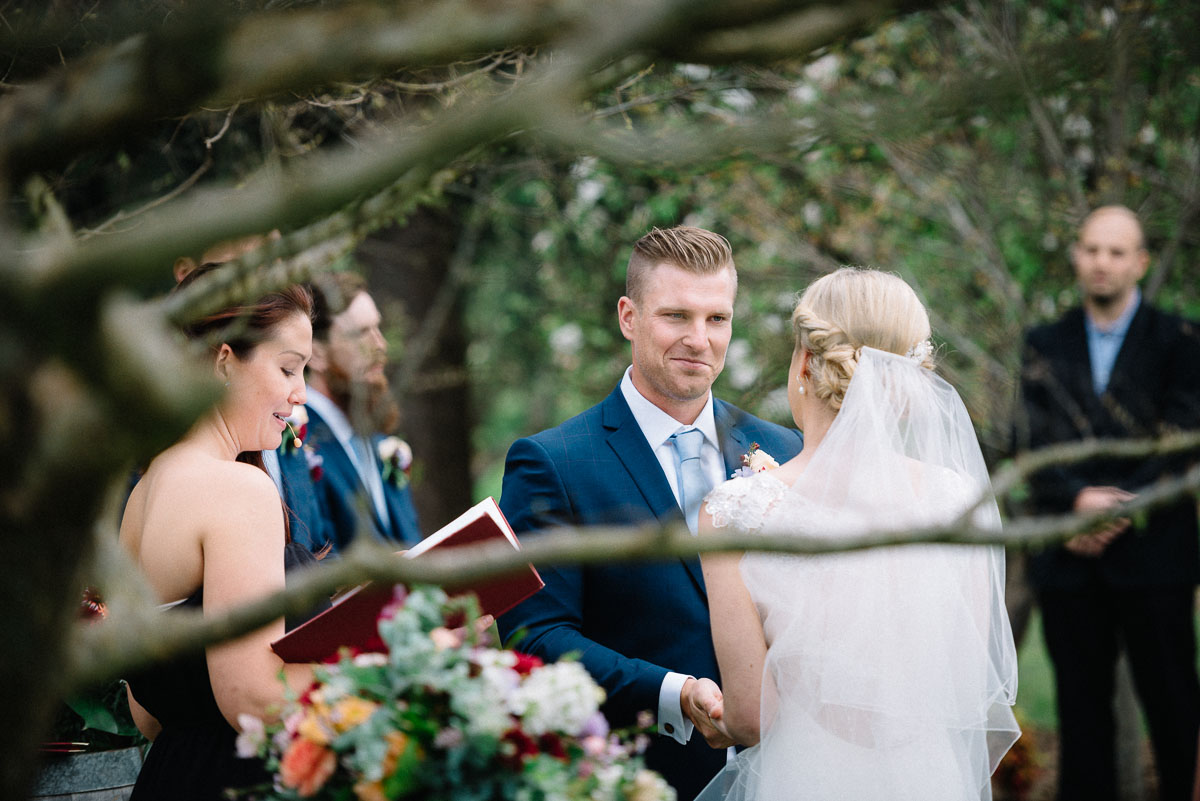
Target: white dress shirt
[
  {"x": 658, "y": 426},
  {"x": 370, "y": 474}
]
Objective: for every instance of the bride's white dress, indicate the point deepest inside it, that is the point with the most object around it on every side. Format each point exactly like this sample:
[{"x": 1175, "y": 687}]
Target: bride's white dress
[{"x": 890, "y": 672}]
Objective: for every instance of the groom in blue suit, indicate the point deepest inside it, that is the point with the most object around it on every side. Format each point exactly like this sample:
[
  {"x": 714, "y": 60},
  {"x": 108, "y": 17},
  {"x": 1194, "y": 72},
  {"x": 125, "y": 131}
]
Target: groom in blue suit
[{"x": 642, "y": 630}]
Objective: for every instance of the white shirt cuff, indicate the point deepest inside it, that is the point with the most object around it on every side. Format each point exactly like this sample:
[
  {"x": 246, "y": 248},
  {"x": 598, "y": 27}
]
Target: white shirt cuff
[{"x": 671, "y": 720}]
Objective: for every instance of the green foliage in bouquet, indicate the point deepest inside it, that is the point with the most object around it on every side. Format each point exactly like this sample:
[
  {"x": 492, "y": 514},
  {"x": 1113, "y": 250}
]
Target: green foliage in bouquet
[{"x": 440, "y": 715}]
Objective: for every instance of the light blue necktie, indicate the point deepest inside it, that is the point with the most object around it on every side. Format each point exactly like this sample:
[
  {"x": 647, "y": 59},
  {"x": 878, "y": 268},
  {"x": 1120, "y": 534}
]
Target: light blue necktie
[
  {"x": 369, "y": 471},
  {"x": 693, "y": 484}
]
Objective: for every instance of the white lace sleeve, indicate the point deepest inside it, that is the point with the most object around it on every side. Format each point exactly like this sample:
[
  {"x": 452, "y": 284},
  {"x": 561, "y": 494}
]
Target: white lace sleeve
[{"x": 743, "y": 502}]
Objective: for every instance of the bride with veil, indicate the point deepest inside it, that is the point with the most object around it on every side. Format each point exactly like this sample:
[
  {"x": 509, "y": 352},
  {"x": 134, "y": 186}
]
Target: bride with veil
[{"x": 885, "y": 673}]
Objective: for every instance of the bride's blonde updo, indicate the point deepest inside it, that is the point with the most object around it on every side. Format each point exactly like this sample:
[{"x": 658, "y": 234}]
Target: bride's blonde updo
[{"x": 851, "y": 308}]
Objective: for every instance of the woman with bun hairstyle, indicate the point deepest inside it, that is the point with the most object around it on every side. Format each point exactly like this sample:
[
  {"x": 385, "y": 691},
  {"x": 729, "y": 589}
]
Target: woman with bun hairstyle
[
  {"x": 206, "y": 526},
  {"x": 884, "y": 673}
]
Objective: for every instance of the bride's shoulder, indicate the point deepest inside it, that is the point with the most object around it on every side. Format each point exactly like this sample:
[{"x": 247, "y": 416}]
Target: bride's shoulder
[{"x": 743, "y": 501}]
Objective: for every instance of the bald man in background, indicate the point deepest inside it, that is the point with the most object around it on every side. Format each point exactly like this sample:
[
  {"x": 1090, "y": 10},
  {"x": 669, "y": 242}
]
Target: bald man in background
[{"x": 1116, "y": 368}]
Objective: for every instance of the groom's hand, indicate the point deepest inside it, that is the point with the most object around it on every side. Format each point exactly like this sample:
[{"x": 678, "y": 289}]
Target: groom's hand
[{"x": 703, "y": 704}]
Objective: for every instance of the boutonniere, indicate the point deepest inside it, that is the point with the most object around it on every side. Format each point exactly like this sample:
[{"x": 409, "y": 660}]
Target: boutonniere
[
  {"x": 315, "y": 462},
  {"x": 297, "y": 423},
  {"x": 754, "y": 461},
  {"x": 396, "y": 458}
]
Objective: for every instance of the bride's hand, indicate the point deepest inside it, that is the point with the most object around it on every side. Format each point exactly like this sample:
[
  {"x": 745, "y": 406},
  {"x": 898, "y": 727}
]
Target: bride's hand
[{"x": 703, "y": 704}]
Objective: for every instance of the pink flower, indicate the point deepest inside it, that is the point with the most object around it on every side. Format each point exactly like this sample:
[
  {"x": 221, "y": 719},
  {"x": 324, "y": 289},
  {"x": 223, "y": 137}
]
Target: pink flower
[
  {"x": 594, "y": 746},
  {"x": 251, "y": 736},
  {"x": 306, "y": 766},
  {"x": 595, "y": 726},
  {"x": 399, "y": 593}
]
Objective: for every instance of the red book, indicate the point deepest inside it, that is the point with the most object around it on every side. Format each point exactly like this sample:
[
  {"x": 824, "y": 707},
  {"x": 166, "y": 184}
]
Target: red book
[{"x": 352, "y": 619}]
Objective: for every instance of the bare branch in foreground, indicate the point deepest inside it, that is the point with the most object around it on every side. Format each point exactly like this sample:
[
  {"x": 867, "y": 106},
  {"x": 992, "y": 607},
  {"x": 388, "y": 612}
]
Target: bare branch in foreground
[{"x": 124, "y": 644}]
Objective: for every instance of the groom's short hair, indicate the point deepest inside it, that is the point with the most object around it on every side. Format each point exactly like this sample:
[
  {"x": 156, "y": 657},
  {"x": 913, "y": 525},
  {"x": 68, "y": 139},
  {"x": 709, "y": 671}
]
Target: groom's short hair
[{"x": 686, "y": 247}]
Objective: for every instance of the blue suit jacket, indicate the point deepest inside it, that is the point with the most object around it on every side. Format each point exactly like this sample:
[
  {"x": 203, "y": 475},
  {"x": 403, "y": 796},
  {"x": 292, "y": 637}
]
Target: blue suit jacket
[
  {"x": 307, "y": 516},
  {"x": 630, "y": 623},
  {"x": 348, "y": 506}
]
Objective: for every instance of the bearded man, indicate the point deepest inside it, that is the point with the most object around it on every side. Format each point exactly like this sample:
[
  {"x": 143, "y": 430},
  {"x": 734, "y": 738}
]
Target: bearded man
[{"x": 363, "y": 478}]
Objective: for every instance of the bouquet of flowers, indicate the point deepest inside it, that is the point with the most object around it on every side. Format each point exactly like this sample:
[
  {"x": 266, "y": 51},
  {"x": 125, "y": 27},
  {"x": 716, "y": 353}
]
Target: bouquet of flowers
[{"x": 442, "y": 716}]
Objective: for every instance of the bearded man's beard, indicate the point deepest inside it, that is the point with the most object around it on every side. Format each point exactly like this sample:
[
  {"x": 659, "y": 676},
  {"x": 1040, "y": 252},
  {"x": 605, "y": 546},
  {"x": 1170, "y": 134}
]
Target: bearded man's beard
[{"x": 368, "y": 403}]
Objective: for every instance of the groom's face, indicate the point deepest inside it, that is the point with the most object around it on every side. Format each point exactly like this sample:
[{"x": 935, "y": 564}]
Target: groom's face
[{"x": 680, "y": 329}]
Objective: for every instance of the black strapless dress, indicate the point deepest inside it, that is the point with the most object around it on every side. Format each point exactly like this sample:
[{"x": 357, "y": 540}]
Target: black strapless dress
[{"x": 194, "y": 757}]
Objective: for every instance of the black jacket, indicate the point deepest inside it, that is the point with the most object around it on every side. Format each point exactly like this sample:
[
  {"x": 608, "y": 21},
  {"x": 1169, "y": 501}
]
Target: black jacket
[{"x": 1154, "y": 390}]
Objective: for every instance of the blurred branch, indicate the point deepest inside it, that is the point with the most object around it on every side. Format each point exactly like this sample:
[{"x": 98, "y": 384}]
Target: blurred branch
[
  {"x": 1006, "y": 54},
  {"x": 123, "y": 216},
  {"x": 798, "y": 32},
  {"x": 138, "y": 638},
  {"x": 1027, "y": 464},
  {"x": 202, "y": 60},
  {"x": 1187, "y": 182}
]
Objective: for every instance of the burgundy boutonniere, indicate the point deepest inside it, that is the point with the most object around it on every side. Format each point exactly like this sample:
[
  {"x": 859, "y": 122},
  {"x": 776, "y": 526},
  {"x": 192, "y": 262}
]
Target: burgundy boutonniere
[{"x": 315, "y": 462}]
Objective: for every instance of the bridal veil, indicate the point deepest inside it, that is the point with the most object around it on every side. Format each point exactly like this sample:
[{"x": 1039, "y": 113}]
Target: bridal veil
[{"x": 890, "y": 671}]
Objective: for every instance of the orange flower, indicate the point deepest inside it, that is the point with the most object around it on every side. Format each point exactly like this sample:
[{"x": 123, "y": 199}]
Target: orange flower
[
  {"x": 315, "y": 726},
  {"x": 306, "y": 766},
  {"x": 369, "y": 791},
  {"x": 397, "y": 744},
  {"x": 351, "y": 711}
]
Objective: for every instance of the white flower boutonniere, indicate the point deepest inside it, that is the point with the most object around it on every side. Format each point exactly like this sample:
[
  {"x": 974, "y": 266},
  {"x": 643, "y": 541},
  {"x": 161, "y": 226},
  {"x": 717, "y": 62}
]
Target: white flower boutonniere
[
  {"x": 754, "y": 461},
  {"x": 396, "y": 458}
]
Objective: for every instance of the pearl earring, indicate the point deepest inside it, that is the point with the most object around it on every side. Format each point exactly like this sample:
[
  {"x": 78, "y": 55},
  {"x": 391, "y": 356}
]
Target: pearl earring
[{"x": 800, "y": 385}]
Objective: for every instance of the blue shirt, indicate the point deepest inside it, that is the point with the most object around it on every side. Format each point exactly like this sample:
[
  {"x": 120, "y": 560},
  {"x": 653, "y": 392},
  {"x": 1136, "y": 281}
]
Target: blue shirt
[{"x": 1105, "y": 343}]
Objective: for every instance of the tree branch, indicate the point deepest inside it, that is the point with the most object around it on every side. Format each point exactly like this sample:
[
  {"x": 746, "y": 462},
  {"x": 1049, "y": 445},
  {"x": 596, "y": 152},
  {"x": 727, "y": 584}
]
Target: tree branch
[{"x": 122, "y": 645}]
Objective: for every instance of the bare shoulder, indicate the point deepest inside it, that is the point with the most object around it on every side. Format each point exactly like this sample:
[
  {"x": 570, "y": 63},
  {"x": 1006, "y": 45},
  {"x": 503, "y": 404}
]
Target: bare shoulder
[
  {"x": 242, "y": 481},
  {"x": 213, "y": 494},
  {"x": 240, "y": 496}
]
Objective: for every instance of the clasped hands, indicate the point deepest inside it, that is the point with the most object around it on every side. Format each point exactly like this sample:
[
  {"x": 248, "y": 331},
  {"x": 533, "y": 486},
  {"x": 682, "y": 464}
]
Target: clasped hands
[
  {"x": 1096, "y": 499},
  {"x": 703, "y": 704}
]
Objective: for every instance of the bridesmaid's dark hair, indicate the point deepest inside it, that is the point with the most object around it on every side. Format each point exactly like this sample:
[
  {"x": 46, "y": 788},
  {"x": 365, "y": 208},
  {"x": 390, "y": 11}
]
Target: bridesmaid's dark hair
[{"x": 245, "y": 326}]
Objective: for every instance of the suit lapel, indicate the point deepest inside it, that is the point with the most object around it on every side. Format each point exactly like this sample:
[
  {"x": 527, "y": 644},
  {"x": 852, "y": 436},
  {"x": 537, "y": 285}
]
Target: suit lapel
[
  {"x": 338, "y": 460},
  {"x": 629, "y": 444},
  {"x": 733, "y": 440},
  {"x": 1077, "y": 372},
  {"x": 382, "y": 526}
]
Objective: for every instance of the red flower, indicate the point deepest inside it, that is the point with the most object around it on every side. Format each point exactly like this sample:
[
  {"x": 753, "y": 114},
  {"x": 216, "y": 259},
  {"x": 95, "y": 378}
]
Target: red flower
[
  {"x": 552, "y": 744},
  {"x": 374, "y": 645},
  {"x": 92, "y": 607},
  {"x": 522, "y": 746},
  {"x": 306, "y": 697},
  {"x": 306, "y": 766},
  {"x": 527, "y": 663},
  {"x": 316, "y": 472}
]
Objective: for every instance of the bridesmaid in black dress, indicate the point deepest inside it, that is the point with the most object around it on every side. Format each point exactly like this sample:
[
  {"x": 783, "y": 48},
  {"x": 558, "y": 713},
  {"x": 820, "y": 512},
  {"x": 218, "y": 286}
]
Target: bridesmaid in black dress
[{"x": 209, "y": 532}]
